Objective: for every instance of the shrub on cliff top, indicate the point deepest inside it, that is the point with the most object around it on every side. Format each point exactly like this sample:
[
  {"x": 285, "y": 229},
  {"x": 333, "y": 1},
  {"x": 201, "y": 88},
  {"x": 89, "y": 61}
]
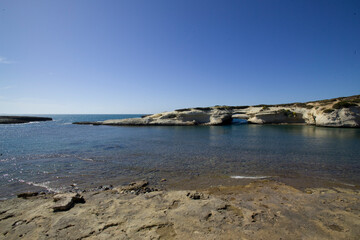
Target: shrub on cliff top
[
  {"x": 183, "y": 109},
  {"x": 343, "y": 104},
  {"x": 203, "y": 108},
  {"x": 223, "y": 107},
  {"x": 303, "y": 105}
]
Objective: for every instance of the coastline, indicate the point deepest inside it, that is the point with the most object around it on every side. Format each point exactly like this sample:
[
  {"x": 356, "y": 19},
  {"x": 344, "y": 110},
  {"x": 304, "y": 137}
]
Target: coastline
[
  {"x": 260, "y": 209},
  {"x": 174, "y": 182},
  {"x": 337, "y": 112},
  {"x": 22, "y": 119}
]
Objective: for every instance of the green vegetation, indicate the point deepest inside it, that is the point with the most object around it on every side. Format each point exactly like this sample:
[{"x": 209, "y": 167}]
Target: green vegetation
[
  {"x": 203, "y": 108},
  {"x": 303, "y": 105},
  {"x": 262, "y": 105},
  {"x": 171, "y": 116},
  {"x": 328, "y": 110},
  {"x": 344, "y": 104},
  {"x": 287, "y": 113},
  {"x": 183, "y": 110},
  {"x": 223, "y": 107},
  {"x": 239, "y": 107}
]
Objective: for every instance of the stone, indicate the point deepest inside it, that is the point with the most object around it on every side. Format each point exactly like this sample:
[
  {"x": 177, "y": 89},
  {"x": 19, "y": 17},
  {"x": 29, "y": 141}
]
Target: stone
[
  {"x": 135, "y": 185},
  {"x": 195, "y": 195},
  {"x": 66, "y": 201},
  {"x": 105, "y": 187},
  {"x": 27, "y": 194}
]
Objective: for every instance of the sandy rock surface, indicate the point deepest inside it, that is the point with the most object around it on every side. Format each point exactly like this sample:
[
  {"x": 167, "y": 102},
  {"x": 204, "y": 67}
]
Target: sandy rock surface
[{"x": 260, "y": 210}]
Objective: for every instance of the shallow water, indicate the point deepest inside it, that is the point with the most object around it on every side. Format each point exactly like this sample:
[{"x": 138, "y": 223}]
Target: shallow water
[{"x": 58, "y": 153}]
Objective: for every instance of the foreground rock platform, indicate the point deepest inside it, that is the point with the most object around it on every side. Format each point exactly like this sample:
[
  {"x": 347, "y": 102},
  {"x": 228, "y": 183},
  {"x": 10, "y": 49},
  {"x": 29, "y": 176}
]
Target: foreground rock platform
[
  {"x": 22, "y": 119},
  {"x": 260, "y": 210},
  {"x": 336, "y": 112}
]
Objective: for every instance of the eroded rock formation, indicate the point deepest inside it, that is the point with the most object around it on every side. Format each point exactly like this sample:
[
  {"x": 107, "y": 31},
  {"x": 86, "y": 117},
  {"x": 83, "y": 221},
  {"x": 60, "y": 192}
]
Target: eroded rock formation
[{"x": 337, "y": 112}]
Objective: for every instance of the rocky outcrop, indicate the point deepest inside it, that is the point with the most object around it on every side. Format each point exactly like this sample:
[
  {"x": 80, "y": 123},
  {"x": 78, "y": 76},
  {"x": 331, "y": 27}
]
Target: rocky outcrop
[
  {"x": 185, "y": 117},
  {"x": 22, "y": 119},
  {"x": 65, "y": 201},
  {"x": 337, "y": 112}
]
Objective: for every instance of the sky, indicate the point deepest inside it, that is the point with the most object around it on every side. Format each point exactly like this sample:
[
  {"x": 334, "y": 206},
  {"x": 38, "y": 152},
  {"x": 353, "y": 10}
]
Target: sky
[{"x": 117, "y": 56}]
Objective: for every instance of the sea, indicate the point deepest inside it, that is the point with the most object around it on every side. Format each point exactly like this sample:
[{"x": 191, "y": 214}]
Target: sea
[{"x": 60, "y": 156}]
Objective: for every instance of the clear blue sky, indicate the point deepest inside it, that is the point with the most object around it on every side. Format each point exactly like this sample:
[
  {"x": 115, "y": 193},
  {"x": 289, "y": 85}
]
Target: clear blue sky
[{"x": 151, "y": 56}]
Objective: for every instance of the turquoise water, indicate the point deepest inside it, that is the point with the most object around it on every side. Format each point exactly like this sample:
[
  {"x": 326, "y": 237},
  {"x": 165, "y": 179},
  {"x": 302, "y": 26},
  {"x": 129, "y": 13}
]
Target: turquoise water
[{"x": 58, "y": 153}]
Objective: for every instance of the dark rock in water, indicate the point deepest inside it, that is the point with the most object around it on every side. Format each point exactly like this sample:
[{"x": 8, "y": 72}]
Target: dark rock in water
[
  {"x": 66, "y": 201},
  {"x": 27, "y": 194},
  {"x": 22, "y": 119}
]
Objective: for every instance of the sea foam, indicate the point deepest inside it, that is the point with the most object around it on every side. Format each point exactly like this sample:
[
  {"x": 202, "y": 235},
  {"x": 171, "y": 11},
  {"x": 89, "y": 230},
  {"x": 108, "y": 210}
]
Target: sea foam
[{"x": 249, "y": 177}]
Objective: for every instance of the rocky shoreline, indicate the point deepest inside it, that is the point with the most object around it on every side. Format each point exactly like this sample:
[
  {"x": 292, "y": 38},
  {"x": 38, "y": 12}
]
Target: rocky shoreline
[
  {"x": 263, "y": 209},
  {"x": 22, "y": 119},
  {"x": 337, "y": 112}
]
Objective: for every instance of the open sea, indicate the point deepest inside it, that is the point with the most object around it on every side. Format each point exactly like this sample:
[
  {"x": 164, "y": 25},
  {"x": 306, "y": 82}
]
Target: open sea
[{"x": 53, "y": 155}]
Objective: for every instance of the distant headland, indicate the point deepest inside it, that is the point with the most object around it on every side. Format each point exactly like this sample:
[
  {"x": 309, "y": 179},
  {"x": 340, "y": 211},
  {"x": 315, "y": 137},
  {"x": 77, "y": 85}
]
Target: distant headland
[
  {"x": 22, "y": 119},
  {"x": 336, "y": 112}
]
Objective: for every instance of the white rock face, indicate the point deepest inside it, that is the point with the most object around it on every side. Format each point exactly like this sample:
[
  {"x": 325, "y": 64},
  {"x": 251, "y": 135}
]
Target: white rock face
[
  {"x": 341, "y": 112},
  {"x": 277, "y": 117},
  {"x": 190, "y": 117},
  {"x": 346, "y": 117}
]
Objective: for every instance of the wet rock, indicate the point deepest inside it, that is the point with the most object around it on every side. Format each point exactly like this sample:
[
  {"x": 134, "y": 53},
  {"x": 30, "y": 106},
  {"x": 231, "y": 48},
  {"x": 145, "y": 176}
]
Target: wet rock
[
  {"x": 137, "y": 188},
  {"x": 134, "y": 186},
  {"x": 27, "y": 194},
  {"x": 105, "y": 187},
  {"x": 66, "y": 201}
]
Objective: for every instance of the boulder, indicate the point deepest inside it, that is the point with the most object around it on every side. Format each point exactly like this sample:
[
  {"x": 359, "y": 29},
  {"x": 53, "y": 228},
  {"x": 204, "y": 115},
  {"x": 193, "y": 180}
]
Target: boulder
[
  {"x": 27, "y": 194},
  {"x": 66, "y": 201}
]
